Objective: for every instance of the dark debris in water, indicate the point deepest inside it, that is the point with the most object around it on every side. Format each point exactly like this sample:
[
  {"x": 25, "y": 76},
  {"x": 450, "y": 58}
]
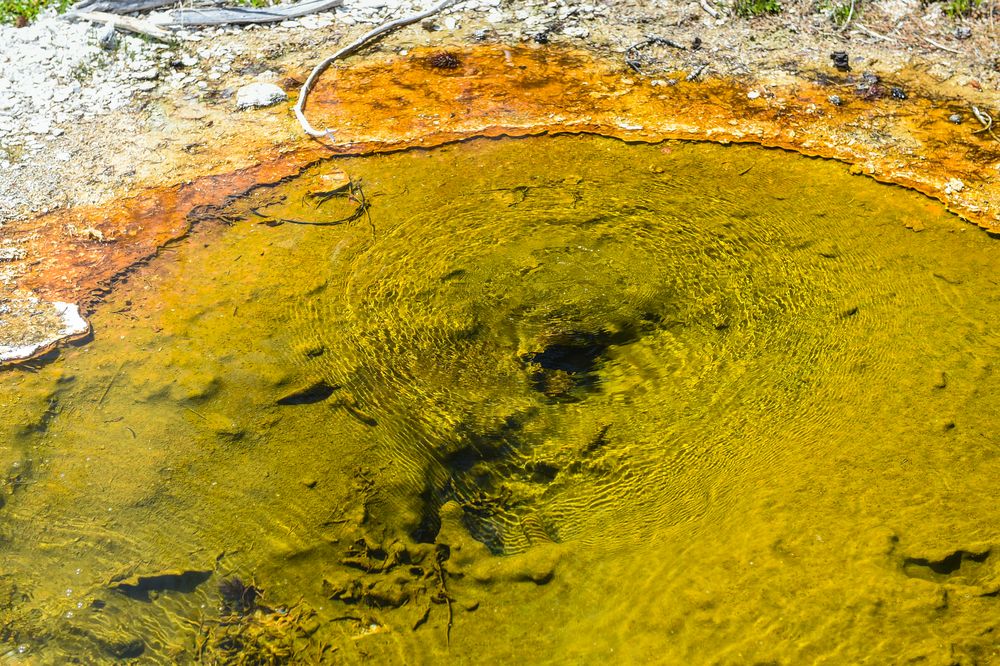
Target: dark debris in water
[
  {"x": 140, "y": 587},
  {"x": 239, "y": 597},
  {"x": 316, "y": 392}
]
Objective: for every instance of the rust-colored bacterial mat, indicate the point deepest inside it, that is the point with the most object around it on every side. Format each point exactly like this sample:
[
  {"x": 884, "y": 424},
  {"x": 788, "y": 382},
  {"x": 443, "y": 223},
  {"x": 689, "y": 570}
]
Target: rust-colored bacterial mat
[{"x": 894, "y": 131}]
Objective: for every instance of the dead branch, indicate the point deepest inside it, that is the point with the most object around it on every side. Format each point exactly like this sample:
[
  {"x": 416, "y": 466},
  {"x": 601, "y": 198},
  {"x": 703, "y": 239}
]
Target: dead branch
[
  {"x": 186, "y": 18},
  {"x": 128, "y": 23},
  {"x": 300, "y": 105},
  {"x": 120, "y": 6}
]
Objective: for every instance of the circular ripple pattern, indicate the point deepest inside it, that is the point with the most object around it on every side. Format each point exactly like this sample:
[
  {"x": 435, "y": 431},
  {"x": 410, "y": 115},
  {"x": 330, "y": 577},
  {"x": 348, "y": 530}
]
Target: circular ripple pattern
[
  {"x": 573, "y": 339},
  {"x": 750, "y": 403}
]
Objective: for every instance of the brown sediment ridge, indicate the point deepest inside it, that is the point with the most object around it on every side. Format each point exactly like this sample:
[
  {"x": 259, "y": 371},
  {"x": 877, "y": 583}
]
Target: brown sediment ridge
[{"x": 896, "y": 132}]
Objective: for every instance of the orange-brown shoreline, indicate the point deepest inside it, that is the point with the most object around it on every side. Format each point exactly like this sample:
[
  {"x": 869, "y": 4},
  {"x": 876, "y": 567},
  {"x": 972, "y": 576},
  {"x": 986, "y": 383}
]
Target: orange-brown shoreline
[{"x": 904, "y": 138}]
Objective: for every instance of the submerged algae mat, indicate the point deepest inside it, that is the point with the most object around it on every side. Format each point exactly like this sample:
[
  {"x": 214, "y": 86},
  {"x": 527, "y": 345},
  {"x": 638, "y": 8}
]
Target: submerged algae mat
[{"x": 550, "y": 399}]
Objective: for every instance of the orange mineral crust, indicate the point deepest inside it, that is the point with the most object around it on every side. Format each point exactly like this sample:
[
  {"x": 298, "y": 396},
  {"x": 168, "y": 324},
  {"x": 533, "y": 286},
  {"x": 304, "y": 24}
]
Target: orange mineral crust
[
  {"x": 894, "y": 131},
  {"x": 899, "y": 131}
]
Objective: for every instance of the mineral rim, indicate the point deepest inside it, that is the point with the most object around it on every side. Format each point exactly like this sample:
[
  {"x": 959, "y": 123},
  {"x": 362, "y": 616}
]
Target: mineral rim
[{"x": 899, "y": 131}]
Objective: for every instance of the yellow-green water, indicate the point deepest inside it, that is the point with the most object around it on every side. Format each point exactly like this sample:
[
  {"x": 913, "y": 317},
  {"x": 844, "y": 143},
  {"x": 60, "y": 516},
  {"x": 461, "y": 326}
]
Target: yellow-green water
[{"x": 586, "y": 401}]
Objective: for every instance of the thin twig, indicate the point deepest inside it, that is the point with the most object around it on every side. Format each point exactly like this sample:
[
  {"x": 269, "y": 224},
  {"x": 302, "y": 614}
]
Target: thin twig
[
  {"x": 300, "y": 105},
  {"x": 198, "y": 414},
  {"x": 709, "y": 9},
  {"x": 447, "y": 599},
  {"x": 876, "y": 35},
  {"x": 114, "y": 377},
  {"x": 940, "y": 46}
]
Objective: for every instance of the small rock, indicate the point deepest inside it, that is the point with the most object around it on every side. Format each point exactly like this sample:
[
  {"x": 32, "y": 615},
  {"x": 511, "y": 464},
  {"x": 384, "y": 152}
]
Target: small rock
[
  {"x": 309, "y": 482},
  {"x": 149, "y": 74},
  {"x": 835, "y": 100},
  {"x": 897, "y": 92},
  {"x": 108, "y": 39},
  {"x": 867, "y": 81},
  {"x": 954, "y": 185},
  {"x": 955, "y": 118},
  {"x": 841, "y": 61},
  {"x": 753, "y": 94},
  {"x": 869, "y": 87},
  {"x": 257, "y": 95},
  {"x": 146, "y": 86},
  {"x": 963, "y": 32}
]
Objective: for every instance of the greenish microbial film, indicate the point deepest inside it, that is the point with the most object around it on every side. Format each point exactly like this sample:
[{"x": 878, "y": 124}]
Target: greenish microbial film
[{"x": 558, "y": 399}]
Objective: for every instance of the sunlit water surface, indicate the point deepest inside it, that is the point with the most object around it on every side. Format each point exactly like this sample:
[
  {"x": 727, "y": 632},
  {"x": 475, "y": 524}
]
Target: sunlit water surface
[{"x": 580, "y": 400}]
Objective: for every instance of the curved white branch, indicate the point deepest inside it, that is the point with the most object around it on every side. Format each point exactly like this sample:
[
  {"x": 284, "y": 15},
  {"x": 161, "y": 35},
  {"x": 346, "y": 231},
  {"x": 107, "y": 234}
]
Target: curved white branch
[{"x": 300, "y": 105}]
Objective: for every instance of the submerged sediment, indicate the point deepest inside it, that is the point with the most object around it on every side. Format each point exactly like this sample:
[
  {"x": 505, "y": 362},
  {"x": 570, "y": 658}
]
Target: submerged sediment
[{"x": 560, "y": 397}]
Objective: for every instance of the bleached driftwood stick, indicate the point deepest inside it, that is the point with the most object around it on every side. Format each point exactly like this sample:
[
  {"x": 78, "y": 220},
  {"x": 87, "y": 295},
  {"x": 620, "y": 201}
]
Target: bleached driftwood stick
[
  {"x": 120, "y": 6},
  {"x": 194, "y": 17},
  {"x": 300, "y": 105},
  {"x": 129, "y": 23}
]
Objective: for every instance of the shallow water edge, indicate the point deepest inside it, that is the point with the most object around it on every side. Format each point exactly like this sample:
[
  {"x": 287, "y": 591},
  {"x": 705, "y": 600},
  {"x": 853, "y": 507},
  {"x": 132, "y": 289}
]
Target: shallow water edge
[{"x": 516, "y": 91}]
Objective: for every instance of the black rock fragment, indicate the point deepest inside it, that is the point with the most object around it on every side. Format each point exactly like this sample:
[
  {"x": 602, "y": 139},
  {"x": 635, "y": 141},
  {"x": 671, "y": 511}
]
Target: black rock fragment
[{"x": 841, "y": 61}]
